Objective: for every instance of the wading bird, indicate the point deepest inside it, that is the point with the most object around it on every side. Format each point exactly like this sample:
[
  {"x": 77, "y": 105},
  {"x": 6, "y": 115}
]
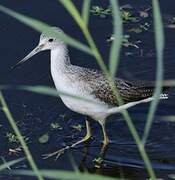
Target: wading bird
[{"x": 88, "y": 83}]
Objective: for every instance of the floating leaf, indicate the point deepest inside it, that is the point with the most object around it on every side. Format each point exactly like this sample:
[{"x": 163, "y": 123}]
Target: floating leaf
[
  {"x": 55, "y": 125},
  {"x": 44, "y": 138},
  {"x": 77, "y": 127}
]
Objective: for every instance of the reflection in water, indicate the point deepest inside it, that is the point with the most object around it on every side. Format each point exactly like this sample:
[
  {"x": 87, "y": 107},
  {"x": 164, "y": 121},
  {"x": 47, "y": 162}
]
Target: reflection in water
[
  {"x": 98, "y": 161},
  {"x": 120, "y": 166},
  {"x": 100, "y": 166},
  {"x": 119, "y": 159}
]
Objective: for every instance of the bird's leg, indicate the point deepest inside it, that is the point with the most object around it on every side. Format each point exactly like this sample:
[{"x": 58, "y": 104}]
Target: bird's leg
[
  {"x": 84, "y": 139},
  {"x": 82, "y": 165},
  {"x": 99, "y": 160},
  {"x": 106, "y": 139}
]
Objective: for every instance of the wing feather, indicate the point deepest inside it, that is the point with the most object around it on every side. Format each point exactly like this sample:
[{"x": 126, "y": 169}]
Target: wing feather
[{"x": 129, "y": 91}]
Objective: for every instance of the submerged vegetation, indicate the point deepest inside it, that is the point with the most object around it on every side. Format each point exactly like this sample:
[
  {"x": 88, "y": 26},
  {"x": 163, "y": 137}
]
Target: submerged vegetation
[
  {"x": 99, "y": 11},
  {"x": 135, "y": 21}
]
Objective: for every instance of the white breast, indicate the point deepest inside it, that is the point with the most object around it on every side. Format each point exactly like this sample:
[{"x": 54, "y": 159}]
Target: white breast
[
  {"x": 77, "y": 88},
  {"x": 68, "y": 83}
]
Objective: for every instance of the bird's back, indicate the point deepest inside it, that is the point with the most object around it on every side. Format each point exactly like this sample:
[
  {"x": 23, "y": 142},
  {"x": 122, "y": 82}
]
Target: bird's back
[{"x": 129, "y": 90}]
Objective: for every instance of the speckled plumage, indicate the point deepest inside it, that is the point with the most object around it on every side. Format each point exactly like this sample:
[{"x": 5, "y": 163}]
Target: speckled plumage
[{"x": 100, "y": 88}]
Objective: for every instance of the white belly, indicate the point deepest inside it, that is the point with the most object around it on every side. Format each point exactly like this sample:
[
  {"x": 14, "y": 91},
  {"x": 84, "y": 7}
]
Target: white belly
[{"x": 95, "y": 110}]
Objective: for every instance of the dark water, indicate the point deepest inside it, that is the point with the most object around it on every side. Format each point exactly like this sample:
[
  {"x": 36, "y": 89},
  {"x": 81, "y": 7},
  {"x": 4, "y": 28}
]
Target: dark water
[{"x": 34, "y": 113}]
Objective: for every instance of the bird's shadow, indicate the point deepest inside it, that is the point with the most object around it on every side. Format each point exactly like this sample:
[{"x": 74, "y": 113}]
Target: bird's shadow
[{"x": 97, "y": 161}]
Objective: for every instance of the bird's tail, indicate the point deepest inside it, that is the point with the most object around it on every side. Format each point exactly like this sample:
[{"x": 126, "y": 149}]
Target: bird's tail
[
  {"x": 139, "y": 90},
  {"x": 121, "y": 108}
]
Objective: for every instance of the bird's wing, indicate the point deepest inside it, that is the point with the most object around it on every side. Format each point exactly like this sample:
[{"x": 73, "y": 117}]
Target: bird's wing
[{"x": 129, "y": 91}]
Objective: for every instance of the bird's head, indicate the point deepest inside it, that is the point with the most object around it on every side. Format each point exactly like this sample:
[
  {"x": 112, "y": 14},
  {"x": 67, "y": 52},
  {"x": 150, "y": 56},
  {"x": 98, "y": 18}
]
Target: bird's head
[{"x": 45, "y": 43}]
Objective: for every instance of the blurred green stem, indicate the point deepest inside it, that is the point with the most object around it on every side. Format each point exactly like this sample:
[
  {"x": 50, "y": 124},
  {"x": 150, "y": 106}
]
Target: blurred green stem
[
  {"x": 159, "y": 40},
  {"x": 114, "y": 56},
  {"x": 85, "y": 11},
  {"x": 77, "y": 17},
  {"x": 12, "y": 122}
]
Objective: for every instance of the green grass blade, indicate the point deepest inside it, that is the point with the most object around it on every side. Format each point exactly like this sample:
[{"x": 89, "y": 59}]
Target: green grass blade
[
  {"x": 43, "y": 27},
  {"x": 170, "y": 118},
  {"x": 53, "y": 92},
  {"x": 159, "y": 40},
  {"x": 128, "y": 105},
  {"x": 170, "y": 83},
  {"x": 10, "y": 163},
  {"x": 171, "y": 176},
  {"x": 49, "y": 91},
  {"x": 74, "y": 12},
  {"x": 85, "y": 11},
  {"x": 11, "y": 120},
  {"x": 70, "y": 7},
  {"x": 114, "y": 59},
  {"x": 68, "y": 175},
  {"x": 118, "y": 34}
]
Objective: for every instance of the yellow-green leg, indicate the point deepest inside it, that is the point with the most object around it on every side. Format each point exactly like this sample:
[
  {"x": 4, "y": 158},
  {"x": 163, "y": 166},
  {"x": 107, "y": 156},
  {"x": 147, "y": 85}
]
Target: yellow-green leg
[
  {"x": 99, "y": 160},
  {"x": 84, "y": 139},
  {"x": 105, "y": 136}
]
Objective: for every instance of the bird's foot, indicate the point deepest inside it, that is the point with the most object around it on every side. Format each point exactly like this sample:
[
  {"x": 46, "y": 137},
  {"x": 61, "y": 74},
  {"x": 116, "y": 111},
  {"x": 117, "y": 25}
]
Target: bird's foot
[
  {"x": 57, "y": 153},
  {"x": 98, "y": 162}
]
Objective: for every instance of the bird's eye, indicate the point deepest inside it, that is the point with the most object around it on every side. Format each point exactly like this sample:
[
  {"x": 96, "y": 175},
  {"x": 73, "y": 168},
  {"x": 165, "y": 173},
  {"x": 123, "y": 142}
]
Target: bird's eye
[{"x": 50, "y": 40}]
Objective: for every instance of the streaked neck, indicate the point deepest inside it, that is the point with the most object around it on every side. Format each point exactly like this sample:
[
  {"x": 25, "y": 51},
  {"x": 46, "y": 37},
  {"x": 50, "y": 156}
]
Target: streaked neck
[{"x": 60, "y": 58}]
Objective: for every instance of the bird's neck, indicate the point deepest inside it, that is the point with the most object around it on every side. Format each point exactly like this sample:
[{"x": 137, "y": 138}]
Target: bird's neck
[
  {"x": 60, "y": 66},
  {"x": 60, "y": 59}
]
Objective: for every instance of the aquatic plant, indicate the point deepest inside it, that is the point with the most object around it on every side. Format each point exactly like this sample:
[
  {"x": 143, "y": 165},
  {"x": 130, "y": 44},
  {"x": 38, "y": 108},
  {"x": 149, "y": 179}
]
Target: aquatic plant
[
  {"x": 128, "y": 16},
  {"x": 100, "y": 11},
  {"x": 126, "y": 42}
]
